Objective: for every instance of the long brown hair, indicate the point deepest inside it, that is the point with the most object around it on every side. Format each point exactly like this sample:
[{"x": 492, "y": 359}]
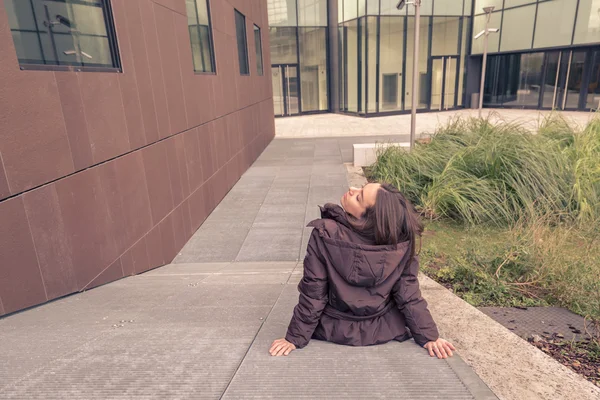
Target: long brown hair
[{"x": 392, "y": 220}]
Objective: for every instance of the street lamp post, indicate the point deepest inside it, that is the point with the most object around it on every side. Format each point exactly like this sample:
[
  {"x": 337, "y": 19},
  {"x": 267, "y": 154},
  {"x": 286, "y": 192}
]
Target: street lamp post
[
  {"x": 485, "y": 33},
  {"x": 415, "y": 80}
]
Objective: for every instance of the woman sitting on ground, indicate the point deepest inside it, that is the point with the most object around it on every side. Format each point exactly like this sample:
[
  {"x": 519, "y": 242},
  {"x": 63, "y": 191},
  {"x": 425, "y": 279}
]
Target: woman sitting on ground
[{"x": 360, "y": 284}]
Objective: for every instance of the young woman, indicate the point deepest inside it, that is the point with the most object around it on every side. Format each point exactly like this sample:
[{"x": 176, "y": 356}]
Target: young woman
[{"x": 360, "y": 284}]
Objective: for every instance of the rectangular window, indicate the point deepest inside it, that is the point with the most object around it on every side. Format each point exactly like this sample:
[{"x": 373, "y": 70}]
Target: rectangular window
[
  {"x": 587, "y": 28},
  {"x": 554, "y": 26},
  {"x": 313, "y": 68},
  {"x": 517, "y": 28},
  {"x": 56, "y": 33},
  {"x": 242, "y": 42},
  {"x": 312, "y": 12},
  {"x": 200, "y": 35},
  {"x": 258, "y": 49}
]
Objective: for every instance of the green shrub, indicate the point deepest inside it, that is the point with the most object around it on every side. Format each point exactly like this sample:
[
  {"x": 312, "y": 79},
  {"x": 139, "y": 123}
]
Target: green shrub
[{"x": 476, "y": 172}]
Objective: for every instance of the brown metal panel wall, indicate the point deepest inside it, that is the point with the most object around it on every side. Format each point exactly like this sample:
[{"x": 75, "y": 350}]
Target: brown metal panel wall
[{"x": 105, "y": 175}]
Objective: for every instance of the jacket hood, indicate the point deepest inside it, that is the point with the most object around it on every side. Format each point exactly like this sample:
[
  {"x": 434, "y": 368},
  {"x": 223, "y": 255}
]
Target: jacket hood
[{"x": 355, "y": 257}]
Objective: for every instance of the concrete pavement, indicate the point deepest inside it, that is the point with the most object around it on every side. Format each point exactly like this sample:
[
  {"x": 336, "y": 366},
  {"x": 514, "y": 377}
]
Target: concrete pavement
[
  {"x": 337, "y": 125},
  {"x": 201, "y": 327}
]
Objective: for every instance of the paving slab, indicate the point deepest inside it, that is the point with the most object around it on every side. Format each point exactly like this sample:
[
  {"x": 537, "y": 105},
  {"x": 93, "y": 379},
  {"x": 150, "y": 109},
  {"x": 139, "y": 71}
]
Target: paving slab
[
  {"x": 328, "y": 371},
  {"x": 200, "y": 327},
  {"x": 271, "y": 244},
  {"x": 343, "y": 126}
]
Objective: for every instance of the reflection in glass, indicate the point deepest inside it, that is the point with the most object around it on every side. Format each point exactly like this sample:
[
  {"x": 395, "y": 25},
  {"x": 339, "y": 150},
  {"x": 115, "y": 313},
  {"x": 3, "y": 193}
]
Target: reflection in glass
[
  {"x": 480, "y": 4},
  {"x": 242, "y": 43},
  {"x": 76, "y": 34},
  {"x": 553, "y": 65},
  {"x": 574, "y": 80},
  {"x": 351, "y": 64},
  {"x": 388, "y": 7},
  {"x": 258, "y": 50},
  {"x": 350, "y": 10},
  {"x": 283, "y": 45},
  {"x": 437, "y": 81},
  {"x": 529, "y": 81},
  {"x": 517, "y": 28},
  {"x": 312, "y": 12},
  {"x": 200, "y": 35},
  {"x": 282, "y": 12},
  {"x": 362, "y": 63},
  {"x": 391, "y": 40},
  {"x": 554, "y": 24},
  {"x": 463, "y": 61},
  {"x": 362, "y": 8},
  {"x": 448, "y": 8},
  {"x": 593, "y": 94},
  {"x": 423, "y": 60},
  {"x": 372, "y": 64},
  {"x": 445, "y": 36},
  {"x": 493, "y": 38},
  {"x": 372, "y": 7},
  {"x": 443, "y": 83},
  {"x": 450, "y": 83},
  {"x": 342, "y": 65},
  {"x": 313, "y": 68},
  {"x": 514, "y": 3},
  {"x": 291, "y": 89},
  {"x": 587, "y": 28},
  {"x": 277, "y": 77}
]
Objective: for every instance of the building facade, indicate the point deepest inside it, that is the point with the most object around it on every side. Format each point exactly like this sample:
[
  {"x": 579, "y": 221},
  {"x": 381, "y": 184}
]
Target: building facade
[
  {"x": 123, "y": 123},
  {"x": 545, "y": 55}
]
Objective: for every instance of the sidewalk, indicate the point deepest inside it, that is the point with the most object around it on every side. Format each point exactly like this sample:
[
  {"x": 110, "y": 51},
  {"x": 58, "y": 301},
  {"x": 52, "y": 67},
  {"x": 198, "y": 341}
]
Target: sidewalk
[
  {"x": 201, "y": 327},
  {"x": 337, "y": 125}
]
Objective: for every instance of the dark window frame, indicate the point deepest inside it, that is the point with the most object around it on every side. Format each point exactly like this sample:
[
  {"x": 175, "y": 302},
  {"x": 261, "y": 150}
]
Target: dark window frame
[
  {"x": 211, "y": 42},
  {"x": 245, "y": 67},
  {"x": 258, "y": 49},
  {"x": 112, "y": 42}
]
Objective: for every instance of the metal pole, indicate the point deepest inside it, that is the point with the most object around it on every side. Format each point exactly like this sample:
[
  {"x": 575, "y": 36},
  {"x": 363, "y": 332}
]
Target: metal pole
[
  {"x": 415, "y": 82},
  {"x": 484, "y": 67}
]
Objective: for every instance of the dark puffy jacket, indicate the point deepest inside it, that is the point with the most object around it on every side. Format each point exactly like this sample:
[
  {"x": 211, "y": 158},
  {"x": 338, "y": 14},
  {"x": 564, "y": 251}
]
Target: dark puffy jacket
[{"x": 356, "y": 293}]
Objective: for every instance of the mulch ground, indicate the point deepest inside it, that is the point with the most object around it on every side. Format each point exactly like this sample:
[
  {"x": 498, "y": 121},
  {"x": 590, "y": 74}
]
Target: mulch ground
[{"x": 582, "y": 357}]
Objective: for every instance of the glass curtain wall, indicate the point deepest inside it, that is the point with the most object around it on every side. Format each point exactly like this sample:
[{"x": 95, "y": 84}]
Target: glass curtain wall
[
  {"x": 561, "y": 79},
  {"x": 547, "y": 55},
  {"x": 376, "y": 43},
  {"x": 299, "y": 54},
  {"x": 537, "y": 24}
]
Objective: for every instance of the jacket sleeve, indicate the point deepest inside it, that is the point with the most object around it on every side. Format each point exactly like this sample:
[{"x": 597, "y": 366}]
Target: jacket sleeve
[
  {"x": 408, "y": 297},
  {"x": 313, "y": 290}
]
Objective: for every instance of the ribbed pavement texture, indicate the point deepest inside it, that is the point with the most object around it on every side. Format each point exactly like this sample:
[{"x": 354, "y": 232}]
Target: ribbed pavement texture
[
  {"x": 178, "y": 332},
  {"x": 201, "y": 327},
  {"x": 263, "y": 217},
  {"x": 328, "y": 371}
]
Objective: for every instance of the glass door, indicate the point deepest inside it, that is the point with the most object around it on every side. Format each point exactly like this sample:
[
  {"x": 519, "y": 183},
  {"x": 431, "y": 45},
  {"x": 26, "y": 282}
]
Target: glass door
[
  {"x": 450, "y": 83},
  {"x": 564, "y": 80},
  {"x": 592, "y": 99},
  {"x": 278, "y": 96},
  {"x": 443, "y": 83},
  {"x": 286, "y": 95},
  {"x": 437, "y": 83}
]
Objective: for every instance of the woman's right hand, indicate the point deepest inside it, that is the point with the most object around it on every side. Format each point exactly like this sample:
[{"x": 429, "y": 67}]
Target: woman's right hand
[
  {"x": 281, "y": 347},
  {"x": 440, "y": 348}
]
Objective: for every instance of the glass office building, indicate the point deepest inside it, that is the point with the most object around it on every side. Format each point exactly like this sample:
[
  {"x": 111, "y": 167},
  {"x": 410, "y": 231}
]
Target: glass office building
[
  {"x": 299, "y": 54},
  {"x": 546, "y": 56},
  {"x": 356, "y": 56}
]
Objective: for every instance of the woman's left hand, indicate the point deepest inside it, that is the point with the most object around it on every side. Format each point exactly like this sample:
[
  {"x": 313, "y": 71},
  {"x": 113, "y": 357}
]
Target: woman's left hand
[
  {"x": 440, "y": 348},
  {"x": 281, "y": 347}
]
